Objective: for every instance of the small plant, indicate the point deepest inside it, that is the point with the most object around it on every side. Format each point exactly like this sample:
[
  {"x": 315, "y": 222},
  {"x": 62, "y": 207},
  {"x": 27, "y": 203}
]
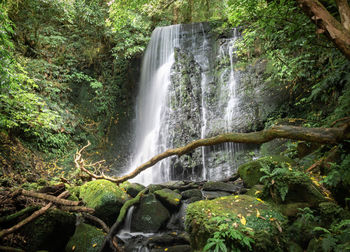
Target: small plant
[{"x": 231, "y": 236}]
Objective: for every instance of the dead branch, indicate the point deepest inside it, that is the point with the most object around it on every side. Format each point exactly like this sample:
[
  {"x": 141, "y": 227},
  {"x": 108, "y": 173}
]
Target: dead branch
[
  {"x": 77, "y": 209},
  {"x": 50, "y": 198},
  {"x": 97, "y": 220},
  {"x": 80, "y": 164},
  {"x": 30, "y": 218}
]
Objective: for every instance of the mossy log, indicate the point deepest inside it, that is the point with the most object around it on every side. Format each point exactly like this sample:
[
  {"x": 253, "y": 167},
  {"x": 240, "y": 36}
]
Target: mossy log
[
  {"x": 120, "y": 219},
  {"x": 319, "y": 135}
]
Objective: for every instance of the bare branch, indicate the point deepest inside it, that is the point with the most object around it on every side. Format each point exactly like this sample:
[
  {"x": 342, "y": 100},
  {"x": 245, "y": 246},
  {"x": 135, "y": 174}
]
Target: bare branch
[{"x": 50, "y": 198}]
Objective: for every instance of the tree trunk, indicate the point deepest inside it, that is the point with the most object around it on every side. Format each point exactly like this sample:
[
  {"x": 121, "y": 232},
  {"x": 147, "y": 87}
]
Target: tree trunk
[
  {"x": 344, "y": 11},
  {"x": 337, "y": 32}
]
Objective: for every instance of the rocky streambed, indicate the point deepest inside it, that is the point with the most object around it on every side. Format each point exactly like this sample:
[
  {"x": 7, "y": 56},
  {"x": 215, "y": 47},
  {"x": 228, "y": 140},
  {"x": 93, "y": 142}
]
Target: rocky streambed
[{"x": 253, "y": 210}]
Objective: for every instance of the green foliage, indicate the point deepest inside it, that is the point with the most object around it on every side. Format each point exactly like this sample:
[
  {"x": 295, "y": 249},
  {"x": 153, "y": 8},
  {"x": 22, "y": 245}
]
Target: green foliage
[
  {"x": 278, "y": 176},
  {"x": 301, "y": 62},
  {"x": 21, "y": 108},
  {"x": 336, "y": 238},
  {"x": 229, "y": 237},
  {"x": 339, "y": 174}
]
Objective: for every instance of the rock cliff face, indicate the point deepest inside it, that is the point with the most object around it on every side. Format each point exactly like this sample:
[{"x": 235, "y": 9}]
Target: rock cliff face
[{"x": 206, "y": 95}]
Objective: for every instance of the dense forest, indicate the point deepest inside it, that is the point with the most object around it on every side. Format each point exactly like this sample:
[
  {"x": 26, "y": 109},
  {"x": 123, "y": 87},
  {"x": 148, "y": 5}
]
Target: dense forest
[{"x": 71, "y": 77}]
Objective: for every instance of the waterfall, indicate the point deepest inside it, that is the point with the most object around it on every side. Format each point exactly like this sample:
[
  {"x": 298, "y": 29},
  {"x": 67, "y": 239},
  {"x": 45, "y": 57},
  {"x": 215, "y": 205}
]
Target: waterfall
[
  {"x": 182, "y": 99},
  {"x": 151, "y": 106}
]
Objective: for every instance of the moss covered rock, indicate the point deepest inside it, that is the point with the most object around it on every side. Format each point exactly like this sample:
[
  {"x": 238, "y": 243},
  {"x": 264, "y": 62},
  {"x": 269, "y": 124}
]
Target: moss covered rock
[
  {"x": 149, "y": 216},
  {"x": 51, "y": 231},
  {"x": 243, "y": 211},
  {"x": 132, "y": 188},
  {"x": 191, "y": 193},
  {"x": 169, "y": 198},
  {"x": 105, "y": 197},
  {"x": 220, "y": 186},
  {"x": 85, "y": 239},
  {"x": 250, "y": 172}
]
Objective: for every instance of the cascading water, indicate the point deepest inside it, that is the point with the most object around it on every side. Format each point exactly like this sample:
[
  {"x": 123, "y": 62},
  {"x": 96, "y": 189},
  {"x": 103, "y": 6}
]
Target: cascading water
[
  {"x": 151, "y": 108},
  {"x": 182, "y": 99}
]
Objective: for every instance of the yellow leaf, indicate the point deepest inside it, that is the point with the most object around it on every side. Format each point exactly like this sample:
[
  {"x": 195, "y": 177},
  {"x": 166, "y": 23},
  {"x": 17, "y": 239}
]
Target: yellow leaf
[
  {"x": 260, "y": 200},
  {"x": 257, "y": 213},
  {"x": 257, "y": 192},
  {"x": 166, "y": 249},
  {"x": 94, "y": 245},
  {"x": 243, "y": 220},
  {"x": 177, "y": 199},
  {"x": 73, "y": 248}
]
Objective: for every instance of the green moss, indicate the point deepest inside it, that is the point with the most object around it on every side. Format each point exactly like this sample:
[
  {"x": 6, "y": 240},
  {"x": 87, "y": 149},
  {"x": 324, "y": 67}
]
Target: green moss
[
  {"x": 168, "y": 197},
  {"x": 200, "y": 226},
  {"x": 105, "y": 197},
  {"x": 85, "y": 239}
]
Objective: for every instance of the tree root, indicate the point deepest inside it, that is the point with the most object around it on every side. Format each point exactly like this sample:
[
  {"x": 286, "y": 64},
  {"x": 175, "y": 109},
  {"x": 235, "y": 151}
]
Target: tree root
[
  {"x": 97, "y": 220},
  {"x": 114, "y": 229}
]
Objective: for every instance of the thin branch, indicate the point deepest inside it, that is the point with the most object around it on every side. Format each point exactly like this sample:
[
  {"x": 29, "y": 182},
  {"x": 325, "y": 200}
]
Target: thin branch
[
  {"x": 50, "y": 198},
  {"x": 77, "y": 209},
  {"x": 97, "y": 220}
]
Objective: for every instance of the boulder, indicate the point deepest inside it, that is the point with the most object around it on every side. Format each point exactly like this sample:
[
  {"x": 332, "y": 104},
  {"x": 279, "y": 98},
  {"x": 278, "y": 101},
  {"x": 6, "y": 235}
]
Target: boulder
[
  {"x": 220, "y": 186},
  {"x": 213, "y": 195},
  {"x": 191, "y": 193},
  {"x": 149, "y": 216},
  {"x": 105, "y": 197},
  {"x": 86, "y": 238},
  {"x": 169, "y": 198},
  {"x": 239, "y": 212},
  {"x": 176, "y": 248},
  {"x": 154, "y": 187},
  {"x": 51, "y": 231},
  {"x": 132, "y": 188}
]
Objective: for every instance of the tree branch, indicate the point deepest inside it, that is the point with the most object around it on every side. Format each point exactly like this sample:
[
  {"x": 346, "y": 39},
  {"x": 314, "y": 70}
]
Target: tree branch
[
  {"x": 50, "y": 198},
  {"x": 30, "y": 218},
  {"x": 319, "y": 135}
]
